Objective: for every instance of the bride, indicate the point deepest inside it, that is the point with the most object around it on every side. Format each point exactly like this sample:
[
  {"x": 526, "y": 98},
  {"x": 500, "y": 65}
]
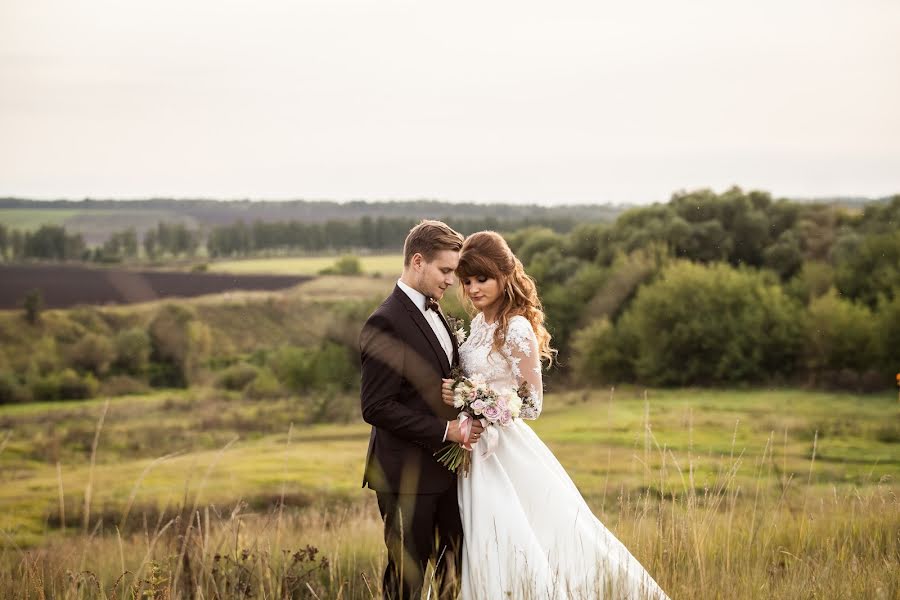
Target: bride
[{"x": 528, "y": 533}]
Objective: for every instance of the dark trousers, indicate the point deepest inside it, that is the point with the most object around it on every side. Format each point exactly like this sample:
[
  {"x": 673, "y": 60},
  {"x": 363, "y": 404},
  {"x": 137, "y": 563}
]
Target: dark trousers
[{"x": 419, "y": 527}]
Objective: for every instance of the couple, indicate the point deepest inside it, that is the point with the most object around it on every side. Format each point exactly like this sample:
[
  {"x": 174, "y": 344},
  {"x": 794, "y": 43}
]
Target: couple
[{"x": 516, "y": 526}]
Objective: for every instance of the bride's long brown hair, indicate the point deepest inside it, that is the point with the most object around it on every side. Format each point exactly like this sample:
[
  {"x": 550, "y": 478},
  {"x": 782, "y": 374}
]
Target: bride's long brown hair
[{"x": 487, "y": 254}]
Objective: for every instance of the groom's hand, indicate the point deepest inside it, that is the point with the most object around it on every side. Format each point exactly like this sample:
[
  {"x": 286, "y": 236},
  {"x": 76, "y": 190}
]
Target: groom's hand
[
  {"x": 447, "y": 391},
  {"x": 455, "y": 435}
]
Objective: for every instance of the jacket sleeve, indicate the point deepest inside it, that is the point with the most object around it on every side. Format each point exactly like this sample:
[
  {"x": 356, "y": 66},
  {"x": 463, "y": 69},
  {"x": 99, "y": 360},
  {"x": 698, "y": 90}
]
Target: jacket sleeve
[{"x": 383, "y": 357}]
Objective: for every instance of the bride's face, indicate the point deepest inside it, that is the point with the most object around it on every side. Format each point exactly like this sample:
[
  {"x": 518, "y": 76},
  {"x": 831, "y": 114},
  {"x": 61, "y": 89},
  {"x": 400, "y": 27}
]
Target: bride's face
[{"x": 483, "y": 291}]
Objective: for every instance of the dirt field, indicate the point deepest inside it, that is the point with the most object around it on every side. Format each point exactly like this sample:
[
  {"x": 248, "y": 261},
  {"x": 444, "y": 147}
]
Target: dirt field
[{"x": 67, "y": 285}]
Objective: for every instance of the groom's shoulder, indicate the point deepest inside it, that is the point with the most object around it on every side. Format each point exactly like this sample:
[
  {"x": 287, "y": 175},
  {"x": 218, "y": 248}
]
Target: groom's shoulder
[{"x": 386, "y": 311}]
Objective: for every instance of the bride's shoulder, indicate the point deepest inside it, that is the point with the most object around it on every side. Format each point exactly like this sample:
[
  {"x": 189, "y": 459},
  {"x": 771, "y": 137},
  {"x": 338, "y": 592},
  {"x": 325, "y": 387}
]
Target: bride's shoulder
[{"x": 519, "y": 330}]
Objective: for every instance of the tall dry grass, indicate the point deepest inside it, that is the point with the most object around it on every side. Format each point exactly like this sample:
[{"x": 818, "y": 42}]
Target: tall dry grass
[{"x": 783, "y": 536}]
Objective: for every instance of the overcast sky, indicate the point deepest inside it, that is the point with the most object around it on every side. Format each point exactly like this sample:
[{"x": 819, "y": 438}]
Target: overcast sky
[{"x": 511, "y": 101}]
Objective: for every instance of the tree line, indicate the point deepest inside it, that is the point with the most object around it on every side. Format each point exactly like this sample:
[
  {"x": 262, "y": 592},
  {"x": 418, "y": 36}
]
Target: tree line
[
  {"x": 724, "y": 288},
  {"x": 240, "y": 239}
]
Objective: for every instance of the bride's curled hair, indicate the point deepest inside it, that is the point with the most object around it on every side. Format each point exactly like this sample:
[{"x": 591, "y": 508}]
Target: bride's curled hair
[{"x": 487, "y": 254}]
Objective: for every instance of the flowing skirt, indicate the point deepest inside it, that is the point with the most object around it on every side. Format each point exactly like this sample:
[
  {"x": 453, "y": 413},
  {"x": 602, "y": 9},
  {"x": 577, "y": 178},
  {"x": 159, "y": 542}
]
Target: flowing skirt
[{"x": 530, "y": 534}]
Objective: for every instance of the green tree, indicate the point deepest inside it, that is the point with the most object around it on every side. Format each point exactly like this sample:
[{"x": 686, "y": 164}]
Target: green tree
[
  {"x": 33, "y": 304},
  {"x": 132, "y": 350},
  {"x": 180, "y": 345},
  {"x": 603, "y": 354},
  {"x": 841, "y": 336},
  {"x": 93, "y": 353},
  {"x": 871, "y": 269},
  {"x": 715, "y": 324}
]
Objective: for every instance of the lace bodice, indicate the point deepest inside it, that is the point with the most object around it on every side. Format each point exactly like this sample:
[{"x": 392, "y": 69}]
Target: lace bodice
[{"x": 519, "y": 360}]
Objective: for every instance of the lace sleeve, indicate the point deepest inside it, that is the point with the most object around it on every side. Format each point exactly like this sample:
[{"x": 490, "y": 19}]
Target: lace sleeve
[{"x": 521, "y": 348}]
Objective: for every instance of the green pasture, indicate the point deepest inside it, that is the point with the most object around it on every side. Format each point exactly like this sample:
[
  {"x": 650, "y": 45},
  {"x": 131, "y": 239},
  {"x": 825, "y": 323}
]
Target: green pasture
[
  {"x": 208, "y": 447},
  {"x": 94, "y": 225},
  {"x": 29, "y": 219},
  {"x": 387, "y": 265}
]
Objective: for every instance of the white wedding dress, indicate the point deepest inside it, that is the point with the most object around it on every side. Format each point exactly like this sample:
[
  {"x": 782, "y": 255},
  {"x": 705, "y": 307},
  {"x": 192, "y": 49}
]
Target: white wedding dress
[{"x": 528, "y": 532}]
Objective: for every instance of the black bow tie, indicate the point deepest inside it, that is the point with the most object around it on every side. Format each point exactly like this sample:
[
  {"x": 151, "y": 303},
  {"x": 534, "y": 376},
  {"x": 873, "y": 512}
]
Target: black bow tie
[{"x": 432, "y": 304}]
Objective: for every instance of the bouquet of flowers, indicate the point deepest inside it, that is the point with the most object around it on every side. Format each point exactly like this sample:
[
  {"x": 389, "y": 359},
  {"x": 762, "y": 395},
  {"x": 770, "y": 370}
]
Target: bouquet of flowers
[{"x": 476, "y": 400}]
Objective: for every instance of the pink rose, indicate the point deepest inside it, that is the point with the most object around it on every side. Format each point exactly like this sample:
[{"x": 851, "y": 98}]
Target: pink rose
[
  {"x": 505, "y": 418},
  {"x": 491, "y": 413},
  {"x": 478, "y": 406}
]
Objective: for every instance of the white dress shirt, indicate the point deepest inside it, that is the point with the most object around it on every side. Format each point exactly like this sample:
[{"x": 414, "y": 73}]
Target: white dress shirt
[{"x": 434, "y": 319}]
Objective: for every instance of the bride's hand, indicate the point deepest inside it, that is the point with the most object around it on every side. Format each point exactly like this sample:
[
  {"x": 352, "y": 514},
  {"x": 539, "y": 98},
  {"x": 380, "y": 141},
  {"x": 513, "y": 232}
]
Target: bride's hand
[{"x": 447, "y": 392}]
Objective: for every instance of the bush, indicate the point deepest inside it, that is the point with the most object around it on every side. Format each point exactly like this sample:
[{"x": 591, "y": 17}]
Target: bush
[
  {"x": 179, "y": 344},
  {"x": 716, "y": 324},
  {"x": 11, "y": 391},
  {"x": 871, "y": 270},
  {"x": 33, "y": 304},
  {"x": 237, "y": 377},
  {"x": 345, "y": 265},
  {"x": 888, "y": 336},
  {"x": 93, "y": 353},
  {"x": 73, "y": 386},
  {"x": 264, "y": 385},
  {"x": 45, "y": 388},
  {"x": 841, "y": 337},
  {"x": 133, "y": 349},
  {"x": 302, "y": 369},
  {"x": 601, "y": 354},
  {"x": 813, "y": 280}
]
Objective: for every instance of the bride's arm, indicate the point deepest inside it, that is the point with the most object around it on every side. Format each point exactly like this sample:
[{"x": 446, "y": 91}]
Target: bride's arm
[{"x": 525, "y": 359}]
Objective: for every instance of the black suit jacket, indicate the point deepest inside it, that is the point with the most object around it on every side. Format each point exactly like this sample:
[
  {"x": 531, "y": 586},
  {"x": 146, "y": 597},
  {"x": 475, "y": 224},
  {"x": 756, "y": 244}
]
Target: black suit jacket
[{"x": 402, "y": 366}]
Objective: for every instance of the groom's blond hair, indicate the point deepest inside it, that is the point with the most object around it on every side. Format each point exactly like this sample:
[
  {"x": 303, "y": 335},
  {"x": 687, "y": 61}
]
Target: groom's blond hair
[{"x": 428, "y": 238}]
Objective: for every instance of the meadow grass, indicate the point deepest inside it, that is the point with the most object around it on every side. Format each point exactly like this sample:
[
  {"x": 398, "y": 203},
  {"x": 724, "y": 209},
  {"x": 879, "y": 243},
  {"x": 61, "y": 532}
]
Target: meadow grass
[
  {"x": 29, "y": 219},
  {"x": 387, "y": 265},
  {"x": 720, "y": 494},
  {"x": 92, "y": 223}
]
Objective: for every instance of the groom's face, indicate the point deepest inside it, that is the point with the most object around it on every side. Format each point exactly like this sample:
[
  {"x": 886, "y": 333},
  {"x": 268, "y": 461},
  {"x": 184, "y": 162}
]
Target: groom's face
[{"x": 433, "y": 278}]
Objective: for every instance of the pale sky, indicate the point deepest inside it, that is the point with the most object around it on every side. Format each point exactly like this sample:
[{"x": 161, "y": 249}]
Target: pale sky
[{"x": 508, "y": 101}]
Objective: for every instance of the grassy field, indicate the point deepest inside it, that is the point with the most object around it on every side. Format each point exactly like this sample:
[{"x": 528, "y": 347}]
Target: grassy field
[
  {"x": 721, "y": 494},
  {"x": 387, "y": 265},
  {"x": 94, "y": 225},
  {"x": 29, "y": 219}
]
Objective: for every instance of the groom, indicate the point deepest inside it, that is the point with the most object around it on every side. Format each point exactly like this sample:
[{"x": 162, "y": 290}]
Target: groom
[{"x": 406, "y": 349}]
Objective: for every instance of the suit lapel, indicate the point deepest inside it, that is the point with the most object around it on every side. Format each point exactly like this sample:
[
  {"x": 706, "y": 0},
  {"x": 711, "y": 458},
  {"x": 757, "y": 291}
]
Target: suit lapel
[
  {"x": 452, "y": 339},
  {"x": 419, "y": 319}
]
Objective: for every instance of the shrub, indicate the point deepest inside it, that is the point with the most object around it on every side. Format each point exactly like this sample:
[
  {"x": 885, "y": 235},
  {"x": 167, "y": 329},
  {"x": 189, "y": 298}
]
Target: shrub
[
  {"x": 345, "y": 265},
  {"x": 179, "y": 345},
  {"x": 888, "y": 336},
  {"x": 133, "y": 349},
  {"x": 841, "y": 338},
  {"x": 12, "y": 391},
  {"x": 45, "y": 388},
  {"x": 715, "y": 324},
  {"x": 301, "y": 369},
  {"x": 601, "y": 354},
  {"x": 73, "y": 386},
  {"x": 237, "y": 377},
  {"x": 33, "y": 303},
  {"x": 813, "y": 280},
  {"x": 332, "y": 366},
  {"x": 871, "y": 270},
  {"x": 264, "y": 385},
  {"x": 93, "y": 353}
]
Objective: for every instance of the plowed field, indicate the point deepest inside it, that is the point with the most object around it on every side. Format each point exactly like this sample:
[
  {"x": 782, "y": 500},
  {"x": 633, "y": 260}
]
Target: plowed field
[{"x": 62, "y": 286}]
